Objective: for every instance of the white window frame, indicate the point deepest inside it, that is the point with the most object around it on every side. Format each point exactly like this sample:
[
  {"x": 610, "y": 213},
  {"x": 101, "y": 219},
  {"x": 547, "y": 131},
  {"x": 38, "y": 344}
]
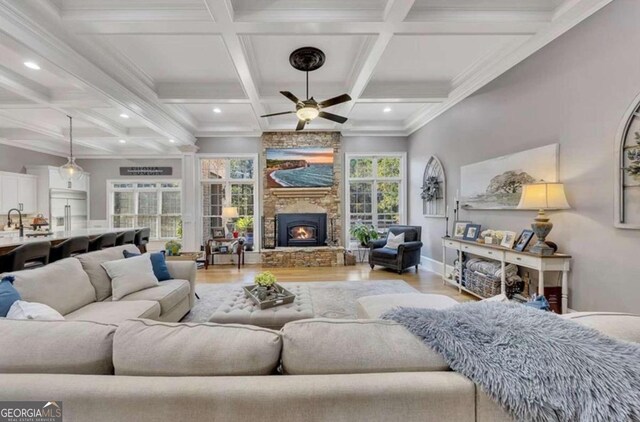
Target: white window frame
[
  {"x": 402, "y": 209},
  {"x": 111, "y": 191},
  {"x": 256, "y": 181}
]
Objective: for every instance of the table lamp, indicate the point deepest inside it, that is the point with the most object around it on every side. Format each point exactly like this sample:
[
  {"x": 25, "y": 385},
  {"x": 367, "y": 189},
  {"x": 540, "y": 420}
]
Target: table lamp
[
  {"x": 229, "y": 213},
  {"x": 543, "y": 196}
]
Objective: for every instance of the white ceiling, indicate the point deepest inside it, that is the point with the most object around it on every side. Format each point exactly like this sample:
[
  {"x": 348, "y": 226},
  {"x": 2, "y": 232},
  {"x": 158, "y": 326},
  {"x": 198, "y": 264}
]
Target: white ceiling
[{"x": 167, "y": 64}]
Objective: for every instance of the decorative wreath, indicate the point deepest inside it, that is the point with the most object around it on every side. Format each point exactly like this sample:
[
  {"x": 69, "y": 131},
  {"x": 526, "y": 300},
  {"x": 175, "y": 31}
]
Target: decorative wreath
[{"x": 430, "y": 189}]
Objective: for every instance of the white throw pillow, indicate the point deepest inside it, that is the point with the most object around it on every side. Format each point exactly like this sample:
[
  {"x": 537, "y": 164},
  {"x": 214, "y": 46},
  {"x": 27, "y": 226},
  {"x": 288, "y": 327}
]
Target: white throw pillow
[
  {"x": 32, "y": 310},
  {"x": 393, "y": 241},
  {"x": 130, "y": 275}
]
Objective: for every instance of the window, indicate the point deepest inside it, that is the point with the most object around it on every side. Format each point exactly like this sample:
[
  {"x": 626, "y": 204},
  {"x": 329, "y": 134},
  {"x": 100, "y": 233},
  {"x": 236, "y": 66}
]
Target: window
[
  {"x": 375, "y": 189},
  {"x": 228, "y": 182},
  {"x": 153, "y": 204}
]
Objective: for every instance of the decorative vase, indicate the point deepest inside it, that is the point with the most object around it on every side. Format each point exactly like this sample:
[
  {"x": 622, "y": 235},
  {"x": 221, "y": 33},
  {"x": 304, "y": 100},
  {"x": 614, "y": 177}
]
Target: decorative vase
[{"x": 261, "y": 292}]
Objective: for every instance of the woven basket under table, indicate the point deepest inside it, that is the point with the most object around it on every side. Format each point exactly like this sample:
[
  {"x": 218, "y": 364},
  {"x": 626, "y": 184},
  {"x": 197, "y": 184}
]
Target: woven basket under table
[{"x": 484, "y": 285}]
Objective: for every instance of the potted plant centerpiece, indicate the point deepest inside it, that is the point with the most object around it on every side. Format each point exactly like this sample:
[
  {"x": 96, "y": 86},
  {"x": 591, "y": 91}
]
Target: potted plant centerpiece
[
  {"x": 266, "y": 293},
  {"x": 173, "y": 247},
  {"x": 364, "y": 233}
]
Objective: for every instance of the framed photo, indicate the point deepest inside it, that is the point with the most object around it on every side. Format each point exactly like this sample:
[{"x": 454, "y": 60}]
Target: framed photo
[
  {"x": 224, "y": 249},
  {"x": 217, "y": 232},
  {"x": 523, "y": 241},
  {"x": 508, "y": 240},
  {"x": 459, "y": 227},
  {"x": 472, "y": 232}
]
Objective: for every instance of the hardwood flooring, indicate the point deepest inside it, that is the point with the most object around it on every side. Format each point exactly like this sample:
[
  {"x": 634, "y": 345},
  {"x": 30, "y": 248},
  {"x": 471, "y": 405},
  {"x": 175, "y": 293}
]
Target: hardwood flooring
[{"x": 423, "y": 281}]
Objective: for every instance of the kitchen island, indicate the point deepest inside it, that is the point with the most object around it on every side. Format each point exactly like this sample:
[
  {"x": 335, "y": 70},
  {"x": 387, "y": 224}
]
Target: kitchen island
[{"x": 8, "y": 243}]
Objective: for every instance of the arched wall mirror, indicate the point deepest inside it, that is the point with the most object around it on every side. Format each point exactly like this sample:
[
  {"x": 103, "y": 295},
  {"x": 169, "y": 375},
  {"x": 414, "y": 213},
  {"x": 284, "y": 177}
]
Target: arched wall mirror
[
  {"x": 627, "y": 202},
  {"x": 434, "y": 189}
]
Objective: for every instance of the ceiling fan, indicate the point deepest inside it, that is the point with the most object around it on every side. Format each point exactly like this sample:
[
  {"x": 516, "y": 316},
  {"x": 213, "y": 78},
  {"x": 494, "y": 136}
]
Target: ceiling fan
[{"x": 308, "y": 59}]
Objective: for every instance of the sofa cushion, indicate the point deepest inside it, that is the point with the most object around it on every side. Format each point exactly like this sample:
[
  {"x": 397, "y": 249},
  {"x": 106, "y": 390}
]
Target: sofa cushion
[
  {"x": 8, "y": 295},
  {"x": 116, "y": 312},
  {"x": 394, "y": 240},
  {"x": 371, "y": 307},
  {"x": 63, "y": 285},
  {"x": 56, "y": 347},
  {"x": 618, "y": 325},
  {"x": 331, "y": 346},
  {"x": 92, "y": 265},
  {"x": 168, "y": 294},
  {"x": 159, "y": 263},
  {"x": 385, "y": 253},
  {"x": 130, "y": 275},
  {"x": 151, "y": 348}
]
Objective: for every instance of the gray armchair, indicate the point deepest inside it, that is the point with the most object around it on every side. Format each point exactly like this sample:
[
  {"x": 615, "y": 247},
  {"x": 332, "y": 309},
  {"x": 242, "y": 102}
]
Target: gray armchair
[{"x": 407, "y": 255}]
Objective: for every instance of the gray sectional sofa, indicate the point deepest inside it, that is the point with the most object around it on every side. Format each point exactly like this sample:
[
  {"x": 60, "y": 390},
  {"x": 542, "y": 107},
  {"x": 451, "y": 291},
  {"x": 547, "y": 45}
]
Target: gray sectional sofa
[
  {"x": 80, "y": 289},
  {"x": 311, "y": 370}
]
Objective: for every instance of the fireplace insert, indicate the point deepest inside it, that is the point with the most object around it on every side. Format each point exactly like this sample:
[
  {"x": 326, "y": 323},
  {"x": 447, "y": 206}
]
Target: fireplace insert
[{"x": 302, "y": 229}]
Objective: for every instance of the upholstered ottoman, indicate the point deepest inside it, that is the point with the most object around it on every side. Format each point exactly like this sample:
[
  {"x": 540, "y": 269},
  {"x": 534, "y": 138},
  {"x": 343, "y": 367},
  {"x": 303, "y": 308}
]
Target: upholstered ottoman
[
  {"x": 371, "y": 307},
  {"x": 237, "y": 309}
]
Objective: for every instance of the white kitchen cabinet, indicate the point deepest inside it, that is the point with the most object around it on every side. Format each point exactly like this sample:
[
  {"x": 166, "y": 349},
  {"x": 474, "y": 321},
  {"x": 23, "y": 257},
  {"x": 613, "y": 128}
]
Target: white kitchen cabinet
[{"x": 18, "y": 191}]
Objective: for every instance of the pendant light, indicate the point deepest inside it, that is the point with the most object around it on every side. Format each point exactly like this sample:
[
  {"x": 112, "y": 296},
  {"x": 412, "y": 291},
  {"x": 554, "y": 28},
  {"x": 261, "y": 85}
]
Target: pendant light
[{"x": 71, "y": 172}]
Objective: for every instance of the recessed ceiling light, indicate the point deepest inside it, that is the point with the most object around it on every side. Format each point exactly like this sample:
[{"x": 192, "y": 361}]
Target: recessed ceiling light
[
  {"x": 387, "y": 110},
  {"x": 217, "y": 110},
  {"x": 122, "y": 141},
  {"x": 172, "y": 141},
  {"x": 32, "y": 65},
  {"x": 124, "y": 116}
]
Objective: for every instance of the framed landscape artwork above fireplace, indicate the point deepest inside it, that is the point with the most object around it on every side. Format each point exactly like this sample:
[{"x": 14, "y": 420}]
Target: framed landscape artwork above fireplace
[{"x": 305, "y": 167}]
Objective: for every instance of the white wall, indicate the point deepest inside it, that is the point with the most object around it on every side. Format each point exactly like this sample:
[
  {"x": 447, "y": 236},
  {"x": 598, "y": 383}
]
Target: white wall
[{"x": 573, "y": 92}]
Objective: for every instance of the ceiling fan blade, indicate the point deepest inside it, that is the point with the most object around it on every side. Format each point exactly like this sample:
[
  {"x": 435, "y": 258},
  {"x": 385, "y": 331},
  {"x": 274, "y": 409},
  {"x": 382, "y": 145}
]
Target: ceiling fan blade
[
  {"x": 335, "y": 100},
  {"x": 278, "y": 114},
  {"x": 301, "y": 124},
  {"x": 333, "y": 117},
  {"x": 290, "y": 96}
]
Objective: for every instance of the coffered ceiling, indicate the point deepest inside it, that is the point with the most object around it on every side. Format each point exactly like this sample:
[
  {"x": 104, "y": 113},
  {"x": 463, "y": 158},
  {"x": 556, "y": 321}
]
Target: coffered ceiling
[{"x": 147, "y": 77}]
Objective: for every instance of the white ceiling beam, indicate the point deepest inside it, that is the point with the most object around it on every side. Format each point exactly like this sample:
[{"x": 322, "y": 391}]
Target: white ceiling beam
[
  {"x": 201, "y": 93},
  {"x": 37, "y": 146},
  {"x": 52, "y": 43},
  {"x": 51, "y": 133},
  {"x": 579, "y": 11},
  {"x": 396, "y": 11},
  {"x": 222, "y": 12}
]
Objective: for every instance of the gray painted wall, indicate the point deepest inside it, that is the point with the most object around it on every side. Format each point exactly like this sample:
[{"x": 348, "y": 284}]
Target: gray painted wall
[
  {"x": 105, "y": 169},
  {"x": 14, "y": 159},
  {"x": 575, "y": 92}
]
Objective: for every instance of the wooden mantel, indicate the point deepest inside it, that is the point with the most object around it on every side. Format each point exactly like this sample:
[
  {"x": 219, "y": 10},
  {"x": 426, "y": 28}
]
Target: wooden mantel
[{"x": 300, "y": 192}]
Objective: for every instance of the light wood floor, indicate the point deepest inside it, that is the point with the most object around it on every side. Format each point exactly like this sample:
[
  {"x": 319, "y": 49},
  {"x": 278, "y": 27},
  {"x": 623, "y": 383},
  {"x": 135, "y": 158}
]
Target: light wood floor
[{"x": 424, "y": 281}]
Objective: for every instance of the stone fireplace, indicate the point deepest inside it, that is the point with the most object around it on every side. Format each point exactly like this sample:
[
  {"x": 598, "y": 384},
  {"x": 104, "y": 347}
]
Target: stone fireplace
[
  {"x": 302, "y": 226},
  {"x": 301, "y": 229}
]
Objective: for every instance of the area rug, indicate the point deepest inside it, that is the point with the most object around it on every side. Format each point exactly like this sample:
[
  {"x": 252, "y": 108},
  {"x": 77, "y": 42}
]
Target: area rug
[{"x": 331, "y": 299}]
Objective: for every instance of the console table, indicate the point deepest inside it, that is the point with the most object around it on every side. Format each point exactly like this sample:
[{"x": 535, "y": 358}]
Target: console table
[{"x": 556, "y": 262}]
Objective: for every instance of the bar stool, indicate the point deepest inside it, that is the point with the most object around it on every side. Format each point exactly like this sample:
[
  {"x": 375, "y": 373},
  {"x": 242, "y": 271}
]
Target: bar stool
[
  {"x": 142, "y": 238},
  {"x": 25, "y": 257},
  {"x": 106, "y": 240},
  {"x": 70, "y": 247},
  {"x": 126, "y": 238}
]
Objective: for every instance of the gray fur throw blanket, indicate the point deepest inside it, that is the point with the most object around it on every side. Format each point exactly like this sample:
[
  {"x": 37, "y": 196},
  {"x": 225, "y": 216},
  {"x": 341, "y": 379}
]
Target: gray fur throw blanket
[{"x": 536, "y": 365}]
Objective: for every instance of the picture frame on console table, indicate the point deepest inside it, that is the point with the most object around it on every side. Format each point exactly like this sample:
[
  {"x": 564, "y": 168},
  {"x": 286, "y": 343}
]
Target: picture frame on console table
[
  {"x": 472, "y": 232},
  {"x": 459, "y": 228},
  {"x": 523, "y": 240},
  {"x": 217, "y": 232}
]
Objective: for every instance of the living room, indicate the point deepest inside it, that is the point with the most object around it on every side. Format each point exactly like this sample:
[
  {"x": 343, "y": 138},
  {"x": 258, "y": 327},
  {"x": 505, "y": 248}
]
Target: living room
[{"x": 360, "y": 210}]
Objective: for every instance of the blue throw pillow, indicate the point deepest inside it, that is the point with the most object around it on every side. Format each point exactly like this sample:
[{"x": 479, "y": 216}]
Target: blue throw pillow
[
  {"x": 8, "y": 295},
  {"x": 158, "y": 262}
]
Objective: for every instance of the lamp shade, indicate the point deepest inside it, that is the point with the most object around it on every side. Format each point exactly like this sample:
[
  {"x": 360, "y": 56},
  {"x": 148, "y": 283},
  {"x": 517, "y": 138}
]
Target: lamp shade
[
  {"x": 544, "y": 196},
  {"x": 229, "y": 212}
]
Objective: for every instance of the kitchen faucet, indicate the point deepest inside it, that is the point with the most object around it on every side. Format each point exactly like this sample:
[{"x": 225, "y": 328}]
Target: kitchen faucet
[{"x": 21, "y": 226}]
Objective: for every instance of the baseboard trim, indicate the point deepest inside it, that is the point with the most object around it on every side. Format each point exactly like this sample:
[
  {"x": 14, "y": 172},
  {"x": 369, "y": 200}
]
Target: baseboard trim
[{"x": 433, "y": 265}]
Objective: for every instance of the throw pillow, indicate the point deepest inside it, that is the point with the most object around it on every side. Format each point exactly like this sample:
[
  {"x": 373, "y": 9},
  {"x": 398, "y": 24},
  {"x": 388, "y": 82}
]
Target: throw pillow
[
  {"x": 394, "y": 240},
  {"x": 8, "y": 294},
  {"x": 32, "y": 310},
  {"x": 158, "y": 263},
  {"x": 130, "y": 275}
]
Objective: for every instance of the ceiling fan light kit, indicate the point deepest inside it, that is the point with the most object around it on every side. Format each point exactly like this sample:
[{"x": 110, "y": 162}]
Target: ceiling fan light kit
[{"x": 308, "y": 59}]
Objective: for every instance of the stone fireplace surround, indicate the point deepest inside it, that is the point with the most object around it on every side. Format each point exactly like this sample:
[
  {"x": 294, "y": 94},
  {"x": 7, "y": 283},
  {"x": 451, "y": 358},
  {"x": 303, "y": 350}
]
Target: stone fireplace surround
[{"x": 303, "y": 201}]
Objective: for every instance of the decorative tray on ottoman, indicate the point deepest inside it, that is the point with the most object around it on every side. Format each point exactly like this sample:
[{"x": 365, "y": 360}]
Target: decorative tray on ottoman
[{"x": 275, "y": 297}]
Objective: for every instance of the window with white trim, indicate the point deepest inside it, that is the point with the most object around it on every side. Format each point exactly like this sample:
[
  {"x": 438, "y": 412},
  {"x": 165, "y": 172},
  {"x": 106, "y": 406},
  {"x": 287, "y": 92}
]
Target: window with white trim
[
  {"x": 229, "y": 181},
  {"x": 375, "y": 189},
  {"x": 155, "y": 204}
]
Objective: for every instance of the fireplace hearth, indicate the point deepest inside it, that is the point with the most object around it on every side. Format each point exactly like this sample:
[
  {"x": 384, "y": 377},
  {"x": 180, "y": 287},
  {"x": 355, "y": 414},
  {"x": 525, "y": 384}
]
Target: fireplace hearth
[{"x": 301, "y": 229}]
